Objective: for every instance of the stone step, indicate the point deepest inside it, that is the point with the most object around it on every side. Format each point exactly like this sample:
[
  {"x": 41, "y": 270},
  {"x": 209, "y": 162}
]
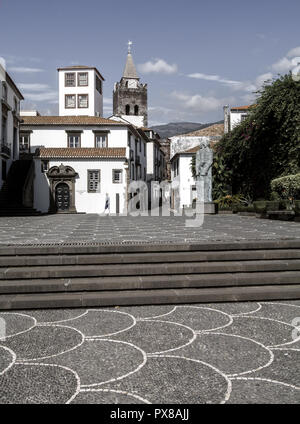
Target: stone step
[
  {"x": 162, "y": 257},
  {"x": 66, "y": 271},
  {"x": 81, "y": 248},
  {"x": 149, "y": 297},
  {"x": 149, "y": 282}
]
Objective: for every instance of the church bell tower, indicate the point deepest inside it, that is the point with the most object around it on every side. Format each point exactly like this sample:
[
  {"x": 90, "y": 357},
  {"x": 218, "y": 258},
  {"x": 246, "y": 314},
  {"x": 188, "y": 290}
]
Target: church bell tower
[{"x": 130, "y": 96}]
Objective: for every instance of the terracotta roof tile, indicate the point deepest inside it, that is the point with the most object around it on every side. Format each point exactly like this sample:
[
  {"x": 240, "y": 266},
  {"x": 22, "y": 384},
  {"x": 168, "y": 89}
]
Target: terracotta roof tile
[
  {"x": 81, "y": 152},
  {"x": 240, "y": 108},
  {"x": 212, "y": 130},
  {"x": 68, "y": 120}
]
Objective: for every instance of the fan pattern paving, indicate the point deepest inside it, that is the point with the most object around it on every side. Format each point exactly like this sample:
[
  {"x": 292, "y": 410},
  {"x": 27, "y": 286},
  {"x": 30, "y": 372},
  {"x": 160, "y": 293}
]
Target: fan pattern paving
[{"x": 204, "y": 353}]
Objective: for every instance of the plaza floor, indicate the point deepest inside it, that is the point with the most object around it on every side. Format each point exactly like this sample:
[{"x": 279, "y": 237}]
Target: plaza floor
[
  {"x": 93, "y": 228},
  {"x": 202, "y": 353},
  {"x": 207, "y": 353}
]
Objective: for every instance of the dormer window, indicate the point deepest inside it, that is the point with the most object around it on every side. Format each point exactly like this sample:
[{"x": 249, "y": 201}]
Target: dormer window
[
  {"x": 70, "y": 79},
  {"x": 70, "y": 101},
  {"x": 83, "y": 79},
  {"x": 83, "y": 101}
]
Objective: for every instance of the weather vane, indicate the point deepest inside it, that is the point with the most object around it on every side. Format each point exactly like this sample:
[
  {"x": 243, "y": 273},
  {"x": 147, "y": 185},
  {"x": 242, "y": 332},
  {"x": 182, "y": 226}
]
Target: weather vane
[{"x": 129, "y": 46}]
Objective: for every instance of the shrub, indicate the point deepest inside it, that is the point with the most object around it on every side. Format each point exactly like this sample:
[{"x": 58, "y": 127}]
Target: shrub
[
  {"x": 228, "y": 202},
  {"x": 287, "y": 187}
]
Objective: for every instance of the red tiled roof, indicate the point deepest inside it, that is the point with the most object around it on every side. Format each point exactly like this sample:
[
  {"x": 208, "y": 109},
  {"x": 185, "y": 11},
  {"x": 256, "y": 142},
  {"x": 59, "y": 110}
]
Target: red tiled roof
[
  {"x": 241, "y": 107},
  {"x": 81, "y": 152},
  {"x": 68, "y": 120}
]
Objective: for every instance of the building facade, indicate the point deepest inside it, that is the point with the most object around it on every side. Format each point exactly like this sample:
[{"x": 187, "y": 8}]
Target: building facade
[
  {"x": 80, "y": 91},
  {"x": 10, "y": 98},
  {"x": 83, "y": 163}
]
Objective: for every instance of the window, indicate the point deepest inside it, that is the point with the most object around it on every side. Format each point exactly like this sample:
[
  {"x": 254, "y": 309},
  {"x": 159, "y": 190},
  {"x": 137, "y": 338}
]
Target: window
[
  {"x": 16, "y": 105},
  {"x": 83, "y": 101},
  {"x": 136, "y": 110},
  {"x": 73, "y": 140},
  {"x": 24, "y": 144},
  {"x": 4, "y": 91},
  {"x": 70, "y": 80},
  {"x": 70, "y": 101},
  {"x": 127, "y": 109},
  {"x": 117, "y": 176},
  {"x": 100, "y": 140},
  {"x": 4, "y": 129},
  {"x": 94, "y": 181},
  {"x": 140, "y": 142},
  {"x": 132, "y": 172},
  {"x": 243, "y": 117},
  {"x": 98, "y": 85},
  {"x": 83, "y": 78}
]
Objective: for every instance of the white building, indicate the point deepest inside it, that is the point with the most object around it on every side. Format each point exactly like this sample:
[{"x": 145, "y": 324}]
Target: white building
[
  {"x": 80, "y": 91},
  {"x": 181, "y": 174},
  {"x": 235, "y": 116},
  {"x": 83, "y": 161},
  {"x": 10, "y": 98}
]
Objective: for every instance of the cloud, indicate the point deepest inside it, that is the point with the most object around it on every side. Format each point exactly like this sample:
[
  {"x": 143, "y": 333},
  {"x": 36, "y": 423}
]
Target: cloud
[
  {"x": 33, "y": 87},
  {"x": 21, "y": 69},
  {"x": 107, "y": 100},
  {"x": 294, "y": 52},
  {"x": 288, "y": 62},
  {"x": 158, "y": 66},
  {"x": 217, "y": 78},
  {"x": 42, "y": 97},
  {"x": 199, "y": 103}
]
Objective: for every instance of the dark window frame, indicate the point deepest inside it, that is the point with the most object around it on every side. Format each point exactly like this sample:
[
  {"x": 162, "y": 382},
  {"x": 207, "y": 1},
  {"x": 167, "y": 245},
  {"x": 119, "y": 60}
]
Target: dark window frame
[
  {"x": 70, "y": 107},
  {"x": 74, "y": 134},
  {"x": 113, "y": 176},
  {"x": 102, "y": 134},
  {"x": 78, "y": 103},
  {"x": 98, "y": 189},
  {"x": 87, "y": 79},
  {"x": 70, "y": 73}
]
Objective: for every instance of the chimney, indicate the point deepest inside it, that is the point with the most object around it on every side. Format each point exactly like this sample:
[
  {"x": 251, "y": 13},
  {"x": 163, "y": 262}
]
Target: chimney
[{"x": 226, "y": 119}]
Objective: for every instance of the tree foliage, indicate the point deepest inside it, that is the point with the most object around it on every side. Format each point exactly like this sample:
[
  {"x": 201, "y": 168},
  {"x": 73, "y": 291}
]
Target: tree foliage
[{"x": 266, "y": 145}]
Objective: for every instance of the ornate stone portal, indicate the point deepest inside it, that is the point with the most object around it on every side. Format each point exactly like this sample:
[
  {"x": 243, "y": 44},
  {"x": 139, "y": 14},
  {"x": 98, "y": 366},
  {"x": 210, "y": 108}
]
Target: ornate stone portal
[
  {"x": 62, "y": 188},
  {"x": 204, "y": 161}
]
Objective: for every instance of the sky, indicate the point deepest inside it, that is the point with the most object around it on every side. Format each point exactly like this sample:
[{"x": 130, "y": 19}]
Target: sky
[{"x": 196, "y": 56}]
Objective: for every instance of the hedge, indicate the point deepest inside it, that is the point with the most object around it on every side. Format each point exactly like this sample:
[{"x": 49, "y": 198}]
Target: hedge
[{"x": 287, "y": 187}]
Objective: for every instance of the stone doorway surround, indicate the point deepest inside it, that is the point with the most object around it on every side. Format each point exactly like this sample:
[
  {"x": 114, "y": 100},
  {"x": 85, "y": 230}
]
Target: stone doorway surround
[{"x": 62, "y": 174}]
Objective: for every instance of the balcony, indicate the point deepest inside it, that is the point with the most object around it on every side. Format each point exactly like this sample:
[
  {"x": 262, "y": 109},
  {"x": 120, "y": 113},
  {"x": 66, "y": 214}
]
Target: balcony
[{"x": 5, "y": 149}]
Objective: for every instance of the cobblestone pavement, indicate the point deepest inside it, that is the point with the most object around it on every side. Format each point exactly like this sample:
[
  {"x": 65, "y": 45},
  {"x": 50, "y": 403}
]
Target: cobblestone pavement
[
  {"x": 205, "y": 353},
  {"x": 96, "y": 228}
]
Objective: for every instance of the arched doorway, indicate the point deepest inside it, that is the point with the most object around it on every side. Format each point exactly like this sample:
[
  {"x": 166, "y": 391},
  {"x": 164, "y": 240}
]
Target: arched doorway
[
  {"x": 62, "y": 188},
  {"x": 62, "y": 197}
]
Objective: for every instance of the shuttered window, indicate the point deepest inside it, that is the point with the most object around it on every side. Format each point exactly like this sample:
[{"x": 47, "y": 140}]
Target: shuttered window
[{"x": 94, "y": 181}]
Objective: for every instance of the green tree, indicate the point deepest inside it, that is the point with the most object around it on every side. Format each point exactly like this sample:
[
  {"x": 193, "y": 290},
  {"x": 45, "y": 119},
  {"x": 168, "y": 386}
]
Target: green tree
[{"x": 266, "y": 145}]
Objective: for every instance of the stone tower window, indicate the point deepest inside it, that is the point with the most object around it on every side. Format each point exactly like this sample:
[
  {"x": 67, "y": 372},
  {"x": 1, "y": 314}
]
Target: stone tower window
[
  {"x": 127, "y": 109},
  {"x": 136, "y": 110}
]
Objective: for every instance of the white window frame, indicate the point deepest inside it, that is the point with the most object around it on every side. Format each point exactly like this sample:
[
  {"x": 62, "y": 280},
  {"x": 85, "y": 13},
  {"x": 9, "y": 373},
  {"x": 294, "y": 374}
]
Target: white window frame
[{"x": 114, "y": 171}]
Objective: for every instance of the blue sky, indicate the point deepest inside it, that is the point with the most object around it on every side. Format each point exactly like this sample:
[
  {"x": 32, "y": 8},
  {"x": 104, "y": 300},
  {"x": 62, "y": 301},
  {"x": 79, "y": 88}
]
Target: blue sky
[{"x": 195, "y": 56}]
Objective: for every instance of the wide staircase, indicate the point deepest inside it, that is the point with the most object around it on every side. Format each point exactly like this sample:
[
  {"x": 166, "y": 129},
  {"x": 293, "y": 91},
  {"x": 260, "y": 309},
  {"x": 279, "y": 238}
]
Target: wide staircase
[
  {"x": 109, "y": 275},
  {"x": 11, "y": 193}
]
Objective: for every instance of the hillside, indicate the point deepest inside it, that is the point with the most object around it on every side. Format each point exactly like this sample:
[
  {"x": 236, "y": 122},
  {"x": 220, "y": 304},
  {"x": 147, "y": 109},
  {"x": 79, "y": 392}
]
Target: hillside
[{"x": 175, "y": 128}]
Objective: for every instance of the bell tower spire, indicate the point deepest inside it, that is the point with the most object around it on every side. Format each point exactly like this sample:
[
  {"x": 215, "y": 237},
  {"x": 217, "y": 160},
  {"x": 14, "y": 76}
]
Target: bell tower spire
[{"x": 130, "y": 96}]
